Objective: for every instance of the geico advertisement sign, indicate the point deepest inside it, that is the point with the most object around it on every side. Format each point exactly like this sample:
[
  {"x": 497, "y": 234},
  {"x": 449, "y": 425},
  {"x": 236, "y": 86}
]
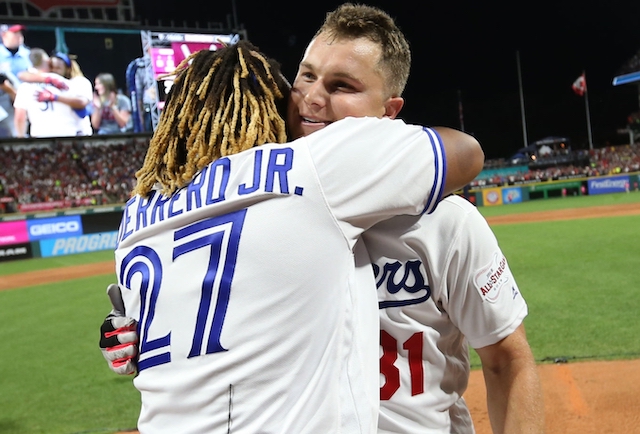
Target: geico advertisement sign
[
  {"x": 80, "y": 244},
  {"x": 40, "y": 229}
]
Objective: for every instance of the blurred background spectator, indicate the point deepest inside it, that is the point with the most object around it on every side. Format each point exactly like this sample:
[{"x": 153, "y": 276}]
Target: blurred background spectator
[
  {"x": 111, "y": 109},
  {"x": 14, "y": 58}
]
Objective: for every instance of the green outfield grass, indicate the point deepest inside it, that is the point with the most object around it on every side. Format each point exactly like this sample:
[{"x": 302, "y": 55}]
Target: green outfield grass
[
  {"x": 53, "y": 378},
  {"x": 14, "y": 267},
  {"x": 578, "y": 278}
]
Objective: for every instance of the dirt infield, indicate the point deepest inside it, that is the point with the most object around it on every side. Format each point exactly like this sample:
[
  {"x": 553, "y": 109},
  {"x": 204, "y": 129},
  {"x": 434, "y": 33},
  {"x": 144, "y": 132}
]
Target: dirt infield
[
  {"x": 579, "y": 398},
  {"x": 56, "y": 275}
]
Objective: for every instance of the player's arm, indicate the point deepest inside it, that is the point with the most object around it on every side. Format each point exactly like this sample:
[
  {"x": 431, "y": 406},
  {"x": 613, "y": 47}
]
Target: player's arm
[
  {"x": 32, "y": 75},
  {"x": 75, "y": 102},
  {"x": 514, "y": 393},
  {"x": 465, "y": 158}
]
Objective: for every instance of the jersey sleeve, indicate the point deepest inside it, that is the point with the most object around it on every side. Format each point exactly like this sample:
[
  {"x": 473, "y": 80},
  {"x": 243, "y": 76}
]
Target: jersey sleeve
[
  {"x": 482, "y": 297},
  {"x": 80, "y": 87},
  {"x": 371, "y": 169},
  {"x": 22, "y": 96}
]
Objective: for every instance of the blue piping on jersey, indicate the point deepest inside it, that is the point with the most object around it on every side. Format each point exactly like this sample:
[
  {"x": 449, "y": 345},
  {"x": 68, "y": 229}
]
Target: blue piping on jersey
[
  {"x": 439, "y": 160},
  {"x": 83, "y": 112}
]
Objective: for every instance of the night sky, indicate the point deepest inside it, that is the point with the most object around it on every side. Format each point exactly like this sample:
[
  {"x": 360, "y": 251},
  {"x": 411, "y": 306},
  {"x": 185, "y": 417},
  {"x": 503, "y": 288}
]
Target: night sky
[{"x": 468, "y": 52}]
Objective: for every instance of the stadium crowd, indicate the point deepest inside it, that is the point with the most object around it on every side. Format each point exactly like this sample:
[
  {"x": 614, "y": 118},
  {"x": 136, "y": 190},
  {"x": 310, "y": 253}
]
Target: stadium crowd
[
  {"x": 81, "y": 172},
  {"x": 72, "y": 173},
  {"x": 610, "y": 160}
]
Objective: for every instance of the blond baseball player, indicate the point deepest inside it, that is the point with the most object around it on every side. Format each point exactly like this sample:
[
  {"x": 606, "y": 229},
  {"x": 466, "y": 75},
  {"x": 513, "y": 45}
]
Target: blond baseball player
[{"x": 424, "y": 358}]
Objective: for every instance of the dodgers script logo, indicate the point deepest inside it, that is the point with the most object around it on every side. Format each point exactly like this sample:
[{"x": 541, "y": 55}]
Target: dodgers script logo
[{"x": 394, "y": 278}]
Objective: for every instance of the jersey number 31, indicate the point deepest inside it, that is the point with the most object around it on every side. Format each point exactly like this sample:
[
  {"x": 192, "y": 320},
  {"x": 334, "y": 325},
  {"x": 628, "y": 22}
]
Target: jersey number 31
[{"x": 388, "y": 367}]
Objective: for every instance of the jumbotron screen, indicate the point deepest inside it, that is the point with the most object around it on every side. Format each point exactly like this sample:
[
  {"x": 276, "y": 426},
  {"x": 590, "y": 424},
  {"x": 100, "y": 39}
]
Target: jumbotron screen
[
  {"x": 124, "y": 53},
  {"x": 169, "y": 49}
]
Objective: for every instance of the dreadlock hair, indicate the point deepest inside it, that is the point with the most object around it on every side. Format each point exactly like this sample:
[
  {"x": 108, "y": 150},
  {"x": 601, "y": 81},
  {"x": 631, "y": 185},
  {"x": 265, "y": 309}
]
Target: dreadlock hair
[
  {"x": 221, "y": 103},
  {"x": 76, "y": 71},
  {"x": 353, "y": 21}
]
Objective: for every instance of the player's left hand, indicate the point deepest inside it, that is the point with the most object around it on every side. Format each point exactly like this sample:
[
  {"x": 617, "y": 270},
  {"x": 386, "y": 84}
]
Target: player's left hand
[
  {"x": 45, "y": 95},
  {"x": 118, "y": 336}
]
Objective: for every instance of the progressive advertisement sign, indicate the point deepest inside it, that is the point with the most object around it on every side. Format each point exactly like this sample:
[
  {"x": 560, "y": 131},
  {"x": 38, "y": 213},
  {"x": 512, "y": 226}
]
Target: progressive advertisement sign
[
  {"x": 611, "y": 184},
  {"x": 78, "y": 244}
]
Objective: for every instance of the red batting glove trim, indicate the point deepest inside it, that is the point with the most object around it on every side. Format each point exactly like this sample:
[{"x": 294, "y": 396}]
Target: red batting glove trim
[
  {"x": 121, "y": 362},
  {"x": 131, "y": 328},
  {"x": 119, "y": 346}
]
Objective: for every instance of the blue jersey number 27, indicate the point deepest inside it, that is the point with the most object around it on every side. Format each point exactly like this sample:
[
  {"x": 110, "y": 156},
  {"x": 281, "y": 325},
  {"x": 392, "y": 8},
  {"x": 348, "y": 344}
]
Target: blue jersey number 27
[{"x": 221, "y": 235}]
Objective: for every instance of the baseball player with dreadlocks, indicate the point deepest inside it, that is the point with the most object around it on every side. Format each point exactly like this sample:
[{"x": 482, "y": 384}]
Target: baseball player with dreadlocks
[{"x": 236, "y": 261}]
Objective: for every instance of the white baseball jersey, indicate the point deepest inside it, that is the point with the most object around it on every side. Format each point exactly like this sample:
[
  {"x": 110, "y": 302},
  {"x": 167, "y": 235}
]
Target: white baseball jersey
[
  {"x": 256, "y": 304},
  {"x": 81, "y": 86},
  {"x": 443, "y": 284},
  {"x": 49, "y": 118}
]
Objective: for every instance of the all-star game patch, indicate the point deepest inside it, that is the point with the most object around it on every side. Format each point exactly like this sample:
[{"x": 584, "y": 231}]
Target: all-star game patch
[{"x": 492, "y": 278}]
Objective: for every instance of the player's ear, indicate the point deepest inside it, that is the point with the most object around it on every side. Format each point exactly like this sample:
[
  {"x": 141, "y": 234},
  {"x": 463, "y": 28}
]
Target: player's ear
[{"x": 393, "y": 106}]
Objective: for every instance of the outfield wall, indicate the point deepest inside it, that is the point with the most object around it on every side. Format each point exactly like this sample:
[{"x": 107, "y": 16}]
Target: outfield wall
[
  {"x": 57, "y": 233},
  {"x": 505, "y": 195}
]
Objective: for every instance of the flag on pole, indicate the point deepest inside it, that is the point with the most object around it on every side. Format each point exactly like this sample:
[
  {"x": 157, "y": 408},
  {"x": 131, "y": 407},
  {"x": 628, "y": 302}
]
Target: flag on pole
[{"x": 580, "y": 85}]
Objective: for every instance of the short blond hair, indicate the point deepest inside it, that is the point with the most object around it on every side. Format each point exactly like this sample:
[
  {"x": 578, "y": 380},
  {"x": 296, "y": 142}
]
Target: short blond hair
[{"x": 353, "y": 21}]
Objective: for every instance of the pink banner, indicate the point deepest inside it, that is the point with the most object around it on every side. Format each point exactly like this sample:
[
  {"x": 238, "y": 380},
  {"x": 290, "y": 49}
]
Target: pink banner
[
  {"x": 165, "y": 60},
  {"x": 182, "y": 50},
  {"x": 43, "y": 206},
  {"x": 13, "y": 233}
]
